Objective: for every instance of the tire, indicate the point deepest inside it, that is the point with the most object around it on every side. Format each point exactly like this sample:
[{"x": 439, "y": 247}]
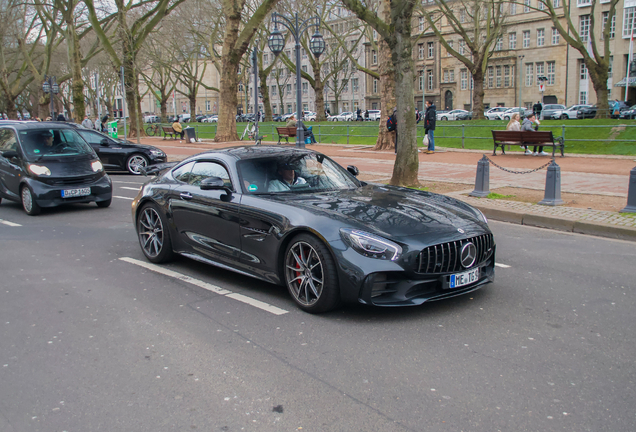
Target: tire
[
  {"x": 150, "y": 131},
  {"x": 135, "y": 162},
  {"x": 444, "y": 119},
  {"x": 310, "y": 275},
  {"x": 104, "y": 204},
  {"x": 153, "y": 235},
  {"x": 28, "y": 202}
]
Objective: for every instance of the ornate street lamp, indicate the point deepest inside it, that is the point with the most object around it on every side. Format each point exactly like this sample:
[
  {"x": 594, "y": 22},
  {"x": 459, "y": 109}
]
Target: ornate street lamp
[
  {"x": 276, "y": 43},
  {"x": 50, "y": 86}
]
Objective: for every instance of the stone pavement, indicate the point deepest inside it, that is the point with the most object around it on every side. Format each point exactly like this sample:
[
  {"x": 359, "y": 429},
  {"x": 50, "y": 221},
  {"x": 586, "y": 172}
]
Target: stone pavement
[{"x": 598, "y": 175}]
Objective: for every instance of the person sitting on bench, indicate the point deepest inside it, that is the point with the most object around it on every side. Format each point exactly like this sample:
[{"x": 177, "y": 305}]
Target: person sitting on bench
[{"x": 530, "y": 123}]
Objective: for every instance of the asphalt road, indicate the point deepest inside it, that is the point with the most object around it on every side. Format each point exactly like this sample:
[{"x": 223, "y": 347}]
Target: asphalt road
[{"x": 93, "y": 342}]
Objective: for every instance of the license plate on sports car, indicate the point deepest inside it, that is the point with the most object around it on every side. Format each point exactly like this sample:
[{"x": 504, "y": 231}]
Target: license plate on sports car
[
  {"x": 465, "y": 278},
  {"x": 71, "y": 193}
]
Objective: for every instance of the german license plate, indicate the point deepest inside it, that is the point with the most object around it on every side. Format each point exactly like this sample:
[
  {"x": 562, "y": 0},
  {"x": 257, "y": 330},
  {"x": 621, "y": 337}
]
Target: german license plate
[
  {"x": 465, "y": 278},
  {"x": 71, "y": 193}
]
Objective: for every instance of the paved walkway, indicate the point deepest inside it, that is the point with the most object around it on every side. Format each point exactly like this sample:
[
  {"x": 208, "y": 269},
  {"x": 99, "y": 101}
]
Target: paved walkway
[{"x": 597, "y": 175}]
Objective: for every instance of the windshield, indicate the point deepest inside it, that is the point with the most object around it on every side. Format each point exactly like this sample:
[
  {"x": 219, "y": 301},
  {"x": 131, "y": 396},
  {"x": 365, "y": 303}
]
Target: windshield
[
  {"x": 40, "y": 144},
  {"x": 305, "y": 173}
]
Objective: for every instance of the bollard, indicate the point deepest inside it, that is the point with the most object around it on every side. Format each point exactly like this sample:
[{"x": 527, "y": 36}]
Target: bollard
[
  {"x": 482, "y": 179},
  {"x": 552, "y": 195},
  {"x": 631, "y": 193}
]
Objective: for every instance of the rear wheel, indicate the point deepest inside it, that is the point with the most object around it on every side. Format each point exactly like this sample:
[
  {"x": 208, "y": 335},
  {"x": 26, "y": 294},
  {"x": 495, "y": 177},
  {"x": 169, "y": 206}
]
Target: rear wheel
[
  {"x": 444, "y": 118},
  {"x": 150, "y": 131},
  {"x": 28, "y": 202},
  {"x": 153, "y": 234},
  {"x": 135, "y": 163},
  {"x": 310, "y": 275},
  {"x": 564, "y": 116}
]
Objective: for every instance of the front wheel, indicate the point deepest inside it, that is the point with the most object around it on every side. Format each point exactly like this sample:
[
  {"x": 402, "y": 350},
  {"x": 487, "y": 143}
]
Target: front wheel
[
  {"x": 150, "y": 131},
  {"x": 153, "y": 234},
  {"x": 104, "y": 204},
  {"x": 444, "y": 118},
  {"x": 28, "y": 202},
  {"x": 135, "y": 163},
  {"x": 310, "y": 275}
]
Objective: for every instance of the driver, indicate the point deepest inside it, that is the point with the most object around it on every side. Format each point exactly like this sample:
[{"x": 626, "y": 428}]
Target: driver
[
  {"x": 44, "y": 143},
  {"x": 286, "y": 178}
]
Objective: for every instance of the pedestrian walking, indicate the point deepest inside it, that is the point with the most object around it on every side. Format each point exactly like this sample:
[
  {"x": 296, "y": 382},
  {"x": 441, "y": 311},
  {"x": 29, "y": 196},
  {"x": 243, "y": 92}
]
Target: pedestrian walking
[
  {"x": 87, "y": 123},
  {"x": 391, "y": 125},
  {"x": 430, "y": 117}
]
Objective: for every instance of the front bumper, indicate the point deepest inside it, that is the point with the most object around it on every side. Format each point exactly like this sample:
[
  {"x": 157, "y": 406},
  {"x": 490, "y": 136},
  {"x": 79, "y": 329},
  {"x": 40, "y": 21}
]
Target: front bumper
[{"x": 50, "y": 195}]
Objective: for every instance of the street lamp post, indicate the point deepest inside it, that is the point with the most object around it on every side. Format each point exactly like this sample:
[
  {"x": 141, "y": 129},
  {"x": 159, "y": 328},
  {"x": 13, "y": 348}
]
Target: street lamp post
[
  {"x": 276, "y": 44},
  {"x": 50, "y": 86}
]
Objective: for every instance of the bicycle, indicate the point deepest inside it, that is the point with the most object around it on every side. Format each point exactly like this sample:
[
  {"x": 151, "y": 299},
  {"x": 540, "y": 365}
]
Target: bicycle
[
  {"x": 249, "y": 131},
  {"x": 153, "y": 130}
]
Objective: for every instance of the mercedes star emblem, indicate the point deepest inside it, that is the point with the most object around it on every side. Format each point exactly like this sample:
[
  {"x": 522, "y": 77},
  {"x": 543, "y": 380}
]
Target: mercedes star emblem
[
  {"x": 460, "y": 230},
  {"x": 469, "y": 254}
]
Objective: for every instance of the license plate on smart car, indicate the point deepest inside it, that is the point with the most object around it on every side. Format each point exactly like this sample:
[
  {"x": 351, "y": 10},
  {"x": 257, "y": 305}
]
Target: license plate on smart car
[
  {"x": 71, "y": 193},
  {"x": 465, "y": 278}
]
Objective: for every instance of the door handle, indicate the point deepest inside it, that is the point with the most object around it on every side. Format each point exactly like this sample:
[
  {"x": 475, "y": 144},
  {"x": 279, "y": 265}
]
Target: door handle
[{"x": 185, "y": 195}]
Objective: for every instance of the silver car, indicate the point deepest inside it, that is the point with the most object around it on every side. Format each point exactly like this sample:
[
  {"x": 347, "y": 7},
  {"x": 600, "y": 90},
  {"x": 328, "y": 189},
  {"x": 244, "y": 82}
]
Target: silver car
[
  {"x": 566, "y": 113},
  {"x": 493, "y": 113}
]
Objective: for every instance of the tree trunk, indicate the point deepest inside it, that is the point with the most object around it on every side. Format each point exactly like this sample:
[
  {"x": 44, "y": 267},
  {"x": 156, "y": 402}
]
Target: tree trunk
[
  {"x": 192, "y": 97},
  {"x": 386, "y": 139},
  {"x": 75, "y": 61},
  {"x": 267, "y": 106},
  {"x": 133, "y": 101},
  {"x": 12, "y": 113},
  {"x": 226, "y": 127},
  {"x": 44, "y": 105},
  {"x": 163, "y": 108},
  {"x": 406, "y": 165},
  {"x": 599, "y": 82},
  {"x": 478, "y": 93},
  {"x": 319, "y": 91}
]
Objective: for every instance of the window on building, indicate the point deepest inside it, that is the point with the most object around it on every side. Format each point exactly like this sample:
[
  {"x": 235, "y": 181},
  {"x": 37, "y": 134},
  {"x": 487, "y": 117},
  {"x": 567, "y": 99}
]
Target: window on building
[
  {"x": 628, "y": 20},
  {"x": 556, "y": 37},
  {"x": 463, "y": 79},
  {"x": 529, "y": 74},
  {"x": 288, "y": 89},
  {"x": 303, "y": 68},
  {"x": 462, "y": 15},
  {"x": 375, "y": 85},
  {"x": 208, "y": 105},
  {"x": 429, "y": 80},
  {"x": 445, "y": 75},
  {"x": 512, "y": 41},
  {"x": 374, "y": 105},
  {"x": 451, "y": 75},
  {"x": 583, "y": 2},
  {"x": 582, "y": 70},
  {"x": 431, "y": 49},
  {"x": 583, "y": 98},
  {"x": 305, "y": 88},
  {"x": 471, "y": 82},
  {"x": 273, "y": 90},
  {"x": 540, "y": 37},
  {"x": 498, "y": 76},
  {"x": 610, "y": 67},
  {"x": 556, "y": 3},
  {"x": 551, "y": 75},
  {"x": 584, "y": 27},
  {"x": 506, "y": 72},
  {"x": 420, "y": 51},
  {"x": 462, "y": 45},
  {"x": 491, "y": 76},
  {"x": 274, "y": 109},
  {"x": 540, "y": 71},
  {"x": 354, "y": 84},
  {"x": 526, "y": 6},
  {"x": 513, "y": 8},
  {"x": 499, "y": 44},
  {"x": 265, "y": 58},
  {"x": 526, "y": 39},
  {"x": 420, "y": 80},
  {"x": 374, "y": 57},
  {"x": 345, "y": 88},
  {"x": 450, "y": 45},
  {"x": 540, "y": 5},
  {"x": 612, "y": 29},
  {"x": 420, "y": 26},
  {"x": 289, "y": 108}
]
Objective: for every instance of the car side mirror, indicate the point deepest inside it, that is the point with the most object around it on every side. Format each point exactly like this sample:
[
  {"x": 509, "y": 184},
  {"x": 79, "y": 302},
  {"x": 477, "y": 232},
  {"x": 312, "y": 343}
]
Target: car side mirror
[
  {"x": 104, "y": 143},
  {"x": 353, "y": 170},
  {"x": 214, "y": 183},
  {"x": 9, "y": 154}
]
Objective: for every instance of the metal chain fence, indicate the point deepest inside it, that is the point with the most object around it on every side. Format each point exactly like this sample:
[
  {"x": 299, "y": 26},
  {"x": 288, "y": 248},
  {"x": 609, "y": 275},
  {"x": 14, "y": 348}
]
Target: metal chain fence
[{"x": 518, "y": 172}]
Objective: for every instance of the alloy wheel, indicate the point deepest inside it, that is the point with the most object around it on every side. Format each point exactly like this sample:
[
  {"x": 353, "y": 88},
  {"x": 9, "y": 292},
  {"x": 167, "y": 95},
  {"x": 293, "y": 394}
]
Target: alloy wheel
[
  {"x": 151, "y": 232},
  {"x": 304, "y": 273},
  {"x": 27, "y": 199},
  {"x": 136, "y": 163}
]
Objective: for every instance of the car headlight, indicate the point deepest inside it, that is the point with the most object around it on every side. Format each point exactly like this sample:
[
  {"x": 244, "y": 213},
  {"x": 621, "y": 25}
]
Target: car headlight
[
  {"x": 157, "y": 153},
  {"x": 482, "y": 216},
  {"x": 39, "y": 170},
  {"x": 371, "y": 245},
  {"x": 97, "y": 166}
]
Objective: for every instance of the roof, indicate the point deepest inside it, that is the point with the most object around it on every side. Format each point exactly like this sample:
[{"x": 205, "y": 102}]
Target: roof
[
  {"x": 622, "y": 83},
  {"x": 33, "y": 125},
  {"x": 258, "y": 152}
]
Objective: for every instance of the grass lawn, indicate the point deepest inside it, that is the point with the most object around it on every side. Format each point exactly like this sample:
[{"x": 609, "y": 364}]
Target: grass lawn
[{"x": 587, "y": 136}]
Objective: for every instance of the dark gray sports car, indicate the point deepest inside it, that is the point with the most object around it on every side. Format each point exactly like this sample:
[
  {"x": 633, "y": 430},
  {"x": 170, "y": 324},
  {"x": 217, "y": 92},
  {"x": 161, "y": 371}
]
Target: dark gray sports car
[{"x": 295, "y": 217}]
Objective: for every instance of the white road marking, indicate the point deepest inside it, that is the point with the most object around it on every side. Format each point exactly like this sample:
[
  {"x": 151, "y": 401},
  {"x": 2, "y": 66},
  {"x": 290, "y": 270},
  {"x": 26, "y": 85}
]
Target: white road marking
[
  {"x": 201, "y": 284},
  {"x": 12, "y": 224},
  {"x": 129, "y": 188},
  {"x": 125, "y": 182},
  {"x": 502, "y": 265},
  {"x": 121, "y": 197}
]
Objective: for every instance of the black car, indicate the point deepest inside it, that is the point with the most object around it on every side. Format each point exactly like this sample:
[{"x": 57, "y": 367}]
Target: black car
[
  {"x": 120, "y": 155},
  {"x": 586, "y": 112},
  {"x": 629, "y": 113},
  {"x": 46, "y": 165},
  {"x": 464, "y": 116},
  {"x": 295, "y": 217}
]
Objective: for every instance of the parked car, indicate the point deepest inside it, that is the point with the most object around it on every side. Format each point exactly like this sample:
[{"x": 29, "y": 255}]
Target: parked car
[
  {"x": 345, "y": 116},
  {"x": 309, "y": 116},
  {"x": 506, "y": 115},
  {"x": 374, "y": 115},
  {"x": 122, "y": 155},
  {"x": 200, "y": 118},
  {"x": 464, "y": 116},
  {"x": 622, "y": 106},
  {"x": 247, "y": 117},
  {"x": 549, "y": 109},
  {"x": 211, "y": 119},
  {"x": 586, "y": 112},
  {"x": 329, "y": 239},
  {"x": 629, "y": 113},
  {"x": 47, "y": 165},
  {"x": 567, "y": 113},
  {"x": 277, "y": 118},
  {"x": 450, "y": 115},
  {"x": 151, "y": 119},
  {"x": 493, "y": 113}
]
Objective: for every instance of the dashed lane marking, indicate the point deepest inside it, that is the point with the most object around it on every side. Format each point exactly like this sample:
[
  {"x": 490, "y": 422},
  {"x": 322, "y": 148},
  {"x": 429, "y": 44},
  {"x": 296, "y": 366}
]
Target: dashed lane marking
[
  {"x": 121, "y": 197},
  {"x": 502, "y": 265},
  {"x": 11, "y": 224},
  {"x": 212, "y": 288},
  {"x": 129, "y": 188},
  {"x": 125, "y": 182}
]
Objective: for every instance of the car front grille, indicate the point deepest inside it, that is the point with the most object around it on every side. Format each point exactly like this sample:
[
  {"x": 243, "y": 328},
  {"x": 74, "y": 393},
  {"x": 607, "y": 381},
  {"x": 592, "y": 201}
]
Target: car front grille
[
  {"x": 445, "y": 257},
  {"x": 71, "y": 181}
]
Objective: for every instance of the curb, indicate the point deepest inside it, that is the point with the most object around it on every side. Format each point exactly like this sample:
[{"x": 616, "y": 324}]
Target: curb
[{"x": 560, "y": 224}]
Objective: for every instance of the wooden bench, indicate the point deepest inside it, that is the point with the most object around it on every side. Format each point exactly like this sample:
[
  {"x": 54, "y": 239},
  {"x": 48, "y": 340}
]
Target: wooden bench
[
  {"x": 168, "y": 130},
  {"x": 285, "y": 132},
  {"x": 526, "y": 138}
]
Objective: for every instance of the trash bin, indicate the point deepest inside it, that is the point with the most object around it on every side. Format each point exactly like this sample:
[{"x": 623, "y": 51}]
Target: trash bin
[
  {"x": 112, "y": 129},
  {"x": 190, "y": 134}
]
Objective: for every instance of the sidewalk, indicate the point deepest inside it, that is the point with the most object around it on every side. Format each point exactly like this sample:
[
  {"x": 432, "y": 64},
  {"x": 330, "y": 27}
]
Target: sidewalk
[{"x": 604, "y": 176}]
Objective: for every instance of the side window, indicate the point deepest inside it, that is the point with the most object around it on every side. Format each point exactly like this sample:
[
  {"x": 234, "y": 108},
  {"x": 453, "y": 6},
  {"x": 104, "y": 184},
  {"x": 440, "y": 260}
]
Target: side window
[
  {"x": 8, "y": 140},
  {"x": 91, "y": 138},
  {"x": 182, "y": 173},
  {"x": 203, "y": 170}
]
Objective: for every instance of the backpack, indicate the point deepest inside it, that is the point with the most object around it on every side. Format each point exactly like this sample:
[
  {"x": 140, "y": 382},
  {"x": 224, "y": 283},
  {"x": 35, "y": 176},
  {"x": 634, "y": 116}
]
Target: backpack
[{"x": 391, "y": 124}]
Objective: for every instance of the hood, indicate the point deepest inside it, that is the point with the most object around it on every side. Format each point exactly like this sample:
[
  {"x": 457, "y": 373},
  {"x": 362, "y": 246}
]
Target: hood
[
  {"x": 391, "y": 212},
  {"x": 79, "y": 166},
  {"x": 130, "y": 144}
]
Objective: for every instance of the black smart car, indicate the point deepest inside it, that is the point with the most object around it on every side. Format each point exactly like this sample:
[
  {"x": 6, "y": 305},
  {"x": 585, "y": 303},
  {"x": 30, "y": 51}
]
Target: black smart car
[
  {"x": 120, "y": 155},
  {"x": 46, "y": 165}
]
